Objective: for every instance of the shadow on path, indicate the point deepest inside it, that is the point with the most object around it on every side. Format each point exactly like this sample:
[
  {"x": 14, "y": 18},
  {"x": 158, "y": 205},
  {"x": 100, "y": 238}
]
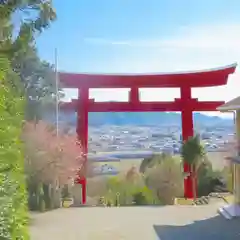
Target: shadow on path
[{"x": 216, "y": 228}]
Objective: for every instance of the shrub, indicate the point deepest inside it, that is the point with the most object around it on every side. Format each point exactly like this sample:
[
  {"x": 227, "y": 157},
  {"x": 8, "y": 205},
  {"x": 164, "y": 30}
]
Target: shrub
[
  {"x": 13, "y": 217},
  {"x": 51, "y": 161},
  {"x": 50, "y": 157},
  {"x": 193, "y": 153},
  {"x": 97, "y": 186},
  {"x": 144, "y": 196},
  {"x": 209, "y": 180},
  {"x": 166, "y": 180},
  {"x": 124, "y": 191},
  {"x": 152, "y": 161},
  {"x": 139, "y": 198}
]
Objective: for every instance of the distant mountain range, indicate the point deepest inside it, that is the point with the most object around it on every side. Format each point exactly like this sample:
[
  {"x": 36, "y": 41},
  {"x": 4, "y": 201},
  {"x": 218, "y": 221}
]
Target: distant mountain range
[{"x": 138, "y": 118}]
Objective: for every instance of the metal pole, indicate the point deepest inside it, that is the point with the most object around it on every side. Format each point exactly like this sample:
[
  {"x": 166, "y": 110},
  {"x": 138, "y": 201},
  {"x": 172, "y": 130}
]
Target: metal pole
[
  {"x": 57, "y": 113},
  {"x": 56, "y": 82}
]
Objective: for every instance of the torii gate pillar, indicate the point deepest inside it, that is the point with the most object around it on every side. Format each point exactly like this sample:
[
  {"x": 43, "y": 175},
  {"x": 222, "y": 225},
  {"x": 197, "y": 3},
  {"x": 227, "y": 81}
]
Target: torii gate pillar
[
  {"x": 187, "y": 131},
  {"x": 82, "y": 133}
]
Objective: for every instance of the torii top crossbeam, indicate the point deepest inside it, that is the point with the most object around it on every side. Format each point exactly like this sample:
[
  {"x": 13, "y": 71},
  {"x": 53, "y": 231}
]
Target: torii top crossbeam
[{"x": 204, "y": 78}]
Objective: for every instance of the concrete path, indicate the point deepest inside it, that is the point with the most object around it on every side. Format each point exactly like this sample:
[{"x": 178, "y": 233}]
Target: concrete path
[{"x": 134, "y": 223}]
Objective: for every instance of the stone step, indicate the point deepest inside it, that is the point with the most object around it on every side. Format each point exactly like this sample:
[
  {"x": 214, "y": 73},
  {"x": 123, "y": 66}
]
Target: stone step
[{"x": 222, "y": 211}]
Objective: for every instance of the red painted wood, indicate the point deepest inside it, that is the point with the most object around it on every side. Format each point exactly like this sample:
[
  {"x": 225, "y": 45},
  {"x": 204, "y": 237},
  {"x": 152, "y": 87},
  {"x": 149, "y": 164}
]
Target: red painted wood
[
  {"x": 143, "y": 106},
  {"x": 82, "y": 131},
  {"x": 211, "y": 77},
  {"x": 134, "y": 95}
]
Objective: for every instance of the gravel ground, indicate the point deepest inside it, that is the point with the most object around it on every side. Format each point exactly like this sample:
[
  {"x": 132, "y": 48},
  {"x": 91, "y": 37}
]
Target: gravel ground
[{"x": 134, "y": 223}]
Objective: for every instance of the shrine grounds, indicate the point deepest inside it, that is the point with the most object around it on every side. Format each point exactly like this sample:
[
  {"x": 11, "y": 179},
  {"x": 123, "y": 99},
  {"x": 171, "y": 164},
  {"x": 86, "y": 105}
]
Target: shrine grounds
[
  {"x": 135, "y": 223},
  {"x": 140, "y": 223}
]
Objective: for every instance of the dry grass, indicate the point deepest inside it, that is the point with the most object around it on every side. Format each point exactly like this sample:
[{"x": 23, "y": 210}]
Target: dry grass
[
  {"x": 124, "y": 165},
  {"x": 216, "y": 158},
  {"x": 97, "y": 186}
]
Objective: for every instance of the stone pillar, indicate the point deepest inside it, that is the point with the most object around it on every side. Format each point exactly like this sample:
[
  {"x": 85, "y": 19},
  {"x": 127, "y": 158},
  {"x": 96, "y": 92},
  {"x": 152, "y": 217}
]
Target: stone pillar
[{"x": 77, "y": 194}]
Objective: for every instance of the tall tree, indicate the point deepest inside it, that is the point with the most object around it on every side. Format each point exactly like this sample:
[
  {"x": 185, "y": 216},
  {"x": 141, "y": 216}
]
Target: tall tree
[
  {"x": 36, "y": 76},
  {"x": 38, "y": 80},
  {"x": 35, "y": 16}
]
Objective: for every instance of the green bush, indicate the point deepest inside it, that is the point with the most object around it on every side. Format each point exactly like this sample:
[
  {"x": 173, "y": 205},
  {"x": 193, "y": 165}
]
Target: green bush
[
  {"x": 227, "y": 174},
  {"x": 139, "y": 198},
  {"x": 122, "y": 192},
  {"x": 13, "y": 217},
  {"x": 144, "y": 196},
  {"x": 166, "y": 180},
  {"x": 208, "y": 179},
  {"x": 204, "y": 178}
]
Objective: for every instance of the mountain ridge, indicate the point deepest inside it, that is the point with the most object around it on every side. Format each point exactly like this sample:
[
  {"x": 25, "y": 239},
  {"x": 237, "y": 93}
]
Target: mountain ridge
[{"x": 138, "y": 118}]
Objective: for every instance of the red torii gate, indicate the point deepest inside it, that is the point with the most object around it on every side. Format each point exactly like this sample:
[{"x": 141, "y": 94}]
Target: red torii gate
[{"x": 186, "y": 104}]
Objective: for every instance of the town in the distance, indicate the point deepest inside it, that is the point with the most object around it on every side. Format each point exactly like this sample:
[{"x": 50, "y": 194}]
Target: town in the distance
[
  {"x": 131, "y": 139},
  {"x": 124, "y": 137}
]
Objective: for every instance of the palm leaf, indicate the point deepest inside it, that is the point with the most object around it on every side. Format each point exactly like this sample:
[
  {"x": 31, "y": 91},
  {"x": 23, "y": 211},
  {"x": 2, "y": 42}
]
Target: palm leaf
[{"x": 192, "y": 150}]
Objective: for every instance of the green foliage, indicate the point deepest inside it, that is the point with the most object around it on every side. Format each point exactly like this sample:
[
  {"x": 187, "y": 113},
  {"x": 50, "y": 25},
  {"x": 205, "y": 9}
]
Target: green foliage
[
  {"x": 122, "y": 192},
  {"x": 139, "y": 198},
  {"x": 36, "y": 76},
  {"x": 144, "y": 196},
  {"x": 152, "y": 161},
  {"x": 13, "y": 217},
  {"x": 193, "y": 153},
  {"x": 192, "y": 150},
  {"x": 36, "y": 15},
  {"x": 166, "y": 180},
  {"x": 208, "y": 179},
  {"x": 38, "y": 80}
]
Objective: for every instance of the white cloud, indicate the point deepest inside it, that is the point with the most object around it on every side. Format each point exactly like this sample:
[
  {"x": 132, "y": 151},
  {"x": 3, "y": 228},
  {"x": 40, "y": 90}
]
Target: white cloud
[
  {"x": 190, "y": 48},
  {"x": 198, "y": 37}
]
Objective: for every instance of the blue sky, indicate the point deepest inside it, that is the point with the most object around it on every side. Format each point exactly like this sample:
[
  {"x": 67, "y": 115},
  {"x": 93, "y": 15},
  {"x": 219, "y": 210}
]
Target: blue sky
[{"x": 145, "y": 36}]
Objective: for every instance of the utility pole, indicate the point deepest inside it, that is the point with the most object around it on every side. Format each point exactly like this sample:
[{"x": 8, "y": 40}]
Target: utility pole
[{"x": 57, "y": 95}]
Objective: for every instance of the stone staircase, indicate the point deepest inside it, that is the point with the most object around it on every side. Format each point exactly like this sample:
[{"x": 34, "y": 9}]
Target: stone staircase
[{"x": 222, "y": 211}]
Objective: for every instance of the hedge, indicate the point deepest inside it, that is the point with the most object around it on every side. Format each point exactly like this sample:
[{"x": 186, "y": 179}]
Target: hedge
[{"x": 13, "y": 212}]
